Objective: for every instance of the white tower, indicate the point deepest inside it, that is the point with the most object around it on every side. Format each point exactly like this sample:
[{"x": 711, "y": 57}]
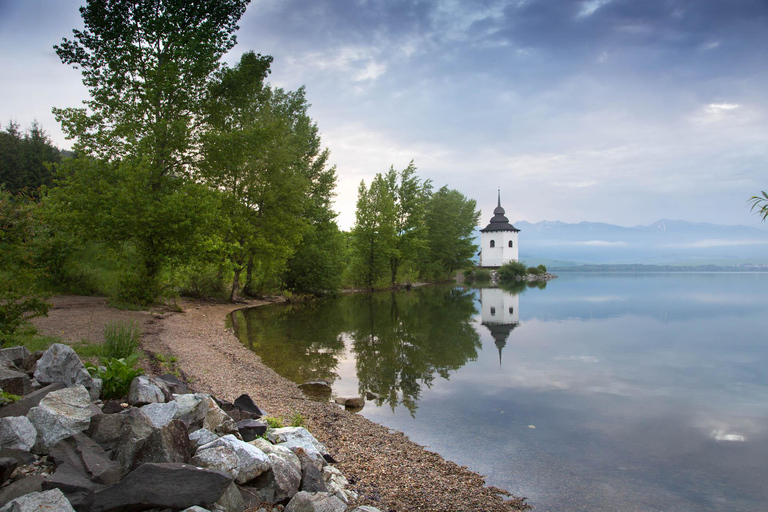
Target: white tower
[{"x": 498, "y": 240}]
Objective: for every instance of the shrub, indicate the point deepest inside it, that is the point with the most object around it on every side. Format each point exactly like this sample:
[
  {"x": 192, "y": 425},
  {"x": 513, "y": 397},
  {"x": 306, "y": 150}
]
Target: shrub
[
  {"x": 273, "y": 422},
  {"x": 121, "y": 339},
  {"x": 116, "y": 375},
  {"x": 477, "y": 275},
  {"x": 297, "y": 420},
  {"x": 512, "y": 271}
]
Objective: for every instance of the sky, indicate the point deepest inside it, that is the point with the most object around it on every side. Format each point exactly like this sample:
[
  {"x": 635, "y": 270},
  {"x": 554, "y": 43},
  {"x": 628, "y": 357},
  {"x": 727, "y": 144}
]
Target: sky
[{"x": 617, "y": 111}]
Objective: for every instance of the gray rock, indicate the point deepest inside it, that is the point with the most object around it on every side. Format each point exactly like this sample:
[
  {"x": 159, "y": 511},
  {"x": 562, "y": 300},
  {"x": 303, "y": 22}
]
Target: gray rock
[
  {"x": 231, "y": 500},
  {"x": 249, "y": 461},
  {"x": 283, "y": 481},
  {"x": 365, "y": 508},
  {"x": 105, "y": 429},
  {"x": 170, "y": 485},
  {"x": 21, "y": 487},
  {"x": 78, "y": 489},
  {"x": 299, "y": 437},
  {"x": 215, "y": 419},
  {"x": 315, "y": 502},
  {"x": 353, "y": 402},
  {"x": 7, "y": 466},
  {"x": 48, "y": 501},
  {"x": 201, "y": 437},
  {"x": 135, "y": 430},
  {"x": 17, "y": 432},
  {"x": 311, "y": 474},
  {"x": 60, "y": 364},
  {"x": 251, "y": 429},
  {"x": 262, "y": 444},
  {"x": 160, "y": 413},
  {"x": 174, "y": 385},
  {"x": 167, "y": 444},
  {"x": 144, "y": 390},
  {"x": 337, "y": 484},
  {"x": 22, "y": 407},
  {"x": 195, "y": 509},
  {"x": 83, "y": 455},
  {"x": 316, "y": 388},
  {"x": 14, "y": 382},
  {"x": 112, "y": 407},
  {"x": 245, "y": 403},
  {"x": 188, "y": 404},
  {"x": 23, "y": 457},
  {"x": 16, "y": 355},
  {"x": 60, "y": 414}
]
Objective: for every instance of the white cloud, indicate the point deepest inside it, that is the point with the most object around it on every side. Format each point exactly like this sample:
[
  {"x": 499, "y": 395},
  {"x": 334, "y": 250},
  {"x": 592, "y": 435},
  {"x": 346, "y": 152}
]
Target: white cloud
[
  {"x": 718, "y": 243},
  {"x": 711, "y": 46},
  {"x": 589, "y": 7},
  {"x": 717, "y": 108}
]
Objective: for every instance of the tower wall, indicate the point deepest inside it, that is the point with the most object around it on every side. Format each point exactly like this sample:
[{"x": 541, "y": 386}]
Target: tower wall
[{"x": 501, "y": 253}]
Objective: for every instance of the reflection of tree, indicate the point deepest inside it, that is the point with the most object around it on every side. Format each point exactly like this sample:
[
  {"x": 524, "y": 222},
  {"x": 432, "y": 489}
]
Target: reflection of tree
[
  {"x": 402, "y": 340},
  {"x": 300, "y": 341}
]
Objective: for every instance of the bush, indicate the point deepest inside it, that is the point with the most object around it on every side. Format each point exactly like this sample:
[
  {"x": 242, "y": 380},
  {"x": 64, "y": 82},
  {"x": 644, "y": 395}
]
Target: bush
[
  {"x": 512, "y": 271},
  {"x": 121, "y": 339},
  {"x": 477, "y": 275},
  {"x": 116, "y": 375},
  {"x": 273, "y": 422}
]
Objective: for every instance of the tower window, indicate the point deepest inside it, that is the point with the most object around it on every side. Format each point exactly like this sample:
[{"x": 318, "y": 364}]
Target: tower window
[
  {"x": 493, "y": 311},
  {"x": 511, "y": 311},
  {"x": 493, "y": 243},
  {"x": 511, "y": 244}
]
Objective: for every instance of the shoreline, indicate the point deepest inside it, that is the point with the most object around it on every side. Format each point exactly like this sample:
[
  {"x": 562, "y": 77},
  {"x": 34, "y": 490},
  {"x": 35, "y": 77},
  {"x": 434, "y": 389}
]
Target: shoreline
[{"x": 384, "y": 466}]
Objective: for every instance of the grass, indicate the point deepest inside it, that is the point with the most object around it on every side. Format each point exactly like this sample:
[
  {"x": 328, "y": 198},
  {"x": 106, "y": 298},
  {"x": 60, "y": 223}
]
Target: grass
[
  {"x": 297, "y": 420},
  {"x": 168, "y": 363},
  {"x": 28, "y": 337},
  {"x": 121, "y": 339},
  {"x": 273, "y": 421},
  {"x": 8, "y": 398}
]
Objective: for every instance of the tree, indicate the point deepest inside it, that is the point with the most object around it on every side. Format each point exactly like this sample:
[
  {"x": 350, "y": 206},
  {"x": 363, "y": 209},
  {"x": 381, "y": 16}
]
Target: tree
[
  {"x": 374, "y": 234},
  {"x": 451, "y": 219},
  {"x": 148, "y": 66},
  {"x": 26, "y": 159},
  {"x": 760, "y": 204}
]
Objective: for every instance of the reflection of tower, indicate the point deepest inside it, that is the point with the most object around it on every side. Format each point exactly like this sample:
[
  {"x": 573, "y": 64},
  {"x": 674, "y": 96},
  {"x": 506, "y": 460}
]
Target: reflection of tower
[{"x": 499, "y": 314}]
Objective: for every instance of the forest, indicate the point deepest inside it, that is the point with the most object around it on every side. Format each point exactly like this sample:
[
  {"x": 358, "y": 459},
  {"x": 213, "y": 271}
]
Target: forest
[{"x": 191, "y": 177}]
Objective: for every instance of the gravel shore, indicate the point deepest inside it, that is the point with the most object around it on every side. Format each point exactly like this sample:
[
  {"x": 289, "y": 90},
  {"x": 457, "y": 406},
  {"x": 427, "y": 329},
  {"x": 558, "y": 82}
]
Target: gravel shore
[{"x": 387, "y": 469}]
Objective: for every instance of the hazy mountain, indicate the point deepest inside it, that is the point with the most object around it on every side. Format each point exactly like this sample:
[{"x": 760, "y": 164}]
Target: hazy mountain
[{"x": 663, "y": 242}]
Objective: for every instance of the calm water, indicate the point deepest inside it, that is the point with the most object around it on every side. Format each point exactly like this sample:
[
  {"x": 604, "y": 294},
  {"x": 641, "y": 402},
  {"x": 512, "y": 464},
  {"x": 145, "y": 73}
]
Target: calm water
[{"x": 598, "y": 392}]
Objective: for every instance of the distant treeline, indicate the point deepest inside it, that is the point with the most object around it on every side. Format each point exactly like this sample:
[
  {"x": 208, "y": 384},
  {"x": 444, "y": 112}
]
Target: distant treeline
[{"x": 662, "y": 268}]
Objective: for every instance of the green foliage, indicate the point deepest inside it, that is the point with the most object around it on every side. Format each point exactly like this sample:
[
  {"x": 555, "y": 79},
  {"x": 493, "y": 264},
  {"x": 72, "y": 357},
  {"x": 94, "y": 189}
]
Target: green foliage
[
  {"x": 317, "y": 266},
  {"x": 297, "y": 420},
  {"x": 512, "y": 271},
  {"x": 273, "y": 421},
  {"x": 537, "y": 271},
  {"x": 760, "y": 204},
  {"x": 204, "y": 280},
  {"x": 8, "y": 398},
  {"x": 121, "y": 339},
  {"x": 477, "y": 275},
  {"x": 26, "y": 159},
  {"x": 117, "y": 375}
]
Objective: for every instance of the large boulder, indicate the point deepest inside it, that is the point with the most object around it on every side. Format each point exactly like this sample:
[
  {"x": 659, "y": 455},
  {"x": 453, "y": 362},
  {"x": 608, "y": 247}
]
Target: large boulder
[
  {"x": 7, "y": 467},
  {"x": 200, "y": 437},
  {"x": 187, "y": 405},
  {"x": 83, "y": 455},
  {"x": 78, "y": 488},
  {"x": 169, "y": 485},
  {"x": 231, "y": 500},
  {"x": 251, "y": 429},
  {"x": 22, "y": 407},
  {"x": 174, "y": 385},
  {"x": 215, "y": 419},
  {"x": 14, "y": 382},
  {"x": 299, "y": 437},
  {"x": 170, "y": 443},
  {"x": 233, "y": 456},
  {"x": 145, "y": 390},
  {"x": 17, "y": 432},
  {"x": 61, "y": 364},
  {"x": 21, "y": 487},
  {"x": 284, "y": 479},
  {"x": 351, "y": 402},
  {"x": 311, "y": 473},
  {"x": 316, "y": 388},
  {"x": 337, "y": 484},
  {"x": 245, "y": 403},
  {"x": 60, "y": 414},
  {"x": 134, "y": 432},
  {"x": 315, "y": 502},
  {"x": 16, "y": 355},
  {"x": 160, "y": 413},
  {"x": 48, "y": 501}
]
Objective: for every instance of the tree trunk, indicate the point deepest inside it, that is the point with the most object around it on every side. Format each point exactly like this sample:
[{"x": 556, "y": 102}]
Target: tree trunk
[{"x": 235, "y": 284}]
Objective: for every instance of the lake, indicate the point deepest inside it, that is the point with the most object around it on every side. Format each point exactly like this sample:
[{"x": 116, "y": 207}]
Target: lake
[{"x": 631, "y": 392}]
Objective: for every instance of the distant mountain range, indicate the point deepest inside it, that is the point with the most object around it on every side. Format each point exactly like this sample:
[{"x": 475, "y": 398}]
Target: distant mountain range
[{"x": 666, "y": 242}]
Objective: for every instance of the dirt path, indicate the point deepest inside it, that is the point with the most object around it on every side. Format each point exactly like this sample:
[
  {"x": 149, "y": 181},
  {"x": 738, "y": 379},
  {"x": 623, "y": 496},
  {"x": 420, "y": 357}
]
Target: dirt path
[{"x": 387, "y": 469}]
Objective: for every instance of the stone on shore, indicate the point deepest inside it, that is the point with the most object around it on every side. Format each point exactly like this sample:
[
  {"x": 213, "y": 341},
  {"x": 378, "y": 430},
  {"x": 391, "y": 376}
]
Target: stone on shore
[
  {"x": 200, "y": 437},
  {"x": 353, "y": 402},
  {"x": 145, "y": 390},
  {"x": 315, "y": 502},
  {"x": 299, "y": 437},
  {"x": 14, "y": 382},
  {"x": 245, "y": 403},
  {"x": 160, "y": 413},
  {"x": 251, "y": 429},
  {"x": 283, "y": 481},
  {"x": 242, "y": 461},
  {"x": 169, "y": 485},
  {"x": 16, "y": 355},
  {"x": 18, "y": 433},
  {"x": 48, "y": 501},
  {"x": 317, "y": 388},
  {"x": 86, "y": 457},
  {"x": 311, "y": 473},
  {"x": 7, "y": 466},
  {"x": 22, "y": 407},
  {"x": 60, "y": 364},
  {"x": 170, "y": 443},
  {"x": 21, "y": 487},
  {"x": 231, "y": 500},
  {"x": 60, "y": 414}
]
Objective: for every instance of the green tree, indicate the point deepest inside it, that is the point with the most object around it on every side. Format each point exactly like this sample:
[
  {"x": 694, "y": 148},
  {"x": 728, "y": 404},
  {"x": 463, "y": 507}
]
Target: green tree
[
  {"x": 26, "y": 158},
  {"x": 374, "y": 235},
  {"x": 760, "y": 204},
  {"x": 451, "y": 219},
  {"x": 148, "y": 67}
]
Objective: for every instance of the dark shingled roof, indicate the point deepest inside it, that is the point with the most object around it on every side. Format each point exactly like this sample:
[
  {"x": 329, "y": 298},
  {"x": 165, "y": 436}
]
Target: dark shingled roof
[{"x": 499, "y": 222}]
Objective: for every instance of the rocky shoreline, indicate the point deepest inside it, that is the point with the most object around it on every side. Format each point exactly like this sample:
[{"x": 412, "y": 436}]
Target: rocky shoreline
[{"x": 384, "y": 468}]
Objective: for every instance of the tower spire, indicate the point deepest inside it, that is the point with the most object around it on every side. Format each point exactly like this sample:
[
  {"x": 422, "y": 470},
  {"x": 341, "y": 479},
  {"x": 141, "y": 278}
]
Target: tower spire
[{"x": 499, "y": 198}]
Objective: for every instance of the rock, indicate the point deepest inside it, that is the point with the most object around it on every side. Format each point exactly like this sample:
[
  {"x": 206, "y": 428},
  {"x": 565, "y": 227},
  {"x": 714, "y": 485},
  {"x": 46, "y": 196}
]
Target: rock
[
  {"x": 283, "y": 481},
  {"x": 188, "y": 405},
  {"x": 365, "y": 508},
  {"x": 317, "y": 502},
  {"x": 84, "y": 455},
  {"x": 249, "y": 461},
  {"x": 76, "y": 487},
  {"x": 195, "y": 509},
  {"x": 337, "y": 484},
  {"x": 262, "y": 444},
  {"x": 145, "y": 390},
  {"x": 167, "y": 444},
  {"x": 29, "y": 364},
  {"x": 135, "y": 430},
  {"x": 60, "y": 364},
  {"x": 316, "y": 388},
  {"x": 311, "y": 474},
  {"x": 112, "y": 407},
  {"x": 251, "y": 429},
  {"x": 14, "y": 382},
  {"x": 215, "y": 419},
  {"x": 23, "y": 457},
  {"x": 353, "y": 402},
  {"x": 21, "y": 487},
  {"x": 245, "y": 403},
  {"x": 160, "y": 413},
  {"x": 48, "y": 501},
  {"x": 201, "y": 437},
  {"x": 105, "y": 430},
  {"x": 60, "y": 414},
  {"x": 7, "y": 466},
  {"x": 169, "y": 485},
  {"x": 329, "y": 458},
  {"x": 299, "y": 437},
  {"x": 174, "y": 385},
  {"x": 22, "y": 407},
  {"x": 16, "y": 355},
  {"x": 231, "y": 500},
  {"x": 17, "y": 432}
]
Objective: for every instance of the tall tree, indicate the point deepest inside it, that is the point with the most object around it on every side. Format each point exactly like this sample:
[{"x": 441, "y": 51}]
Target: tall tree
[
  {"x": 451, "y": 219},
  {"x": 374, "y": 234},
  {"x": 148, "y": 65},
  {"x": 26, "y": 158}
]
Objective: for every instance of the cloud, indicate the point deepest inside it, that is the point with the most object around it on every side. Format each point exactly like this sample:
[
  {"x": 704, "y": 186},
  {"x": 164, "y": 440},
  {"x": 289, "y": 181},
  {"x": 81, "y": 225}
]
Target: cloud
[
  {"x": 717, "y": 108},
  {"x": 698, "y": 244}
]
